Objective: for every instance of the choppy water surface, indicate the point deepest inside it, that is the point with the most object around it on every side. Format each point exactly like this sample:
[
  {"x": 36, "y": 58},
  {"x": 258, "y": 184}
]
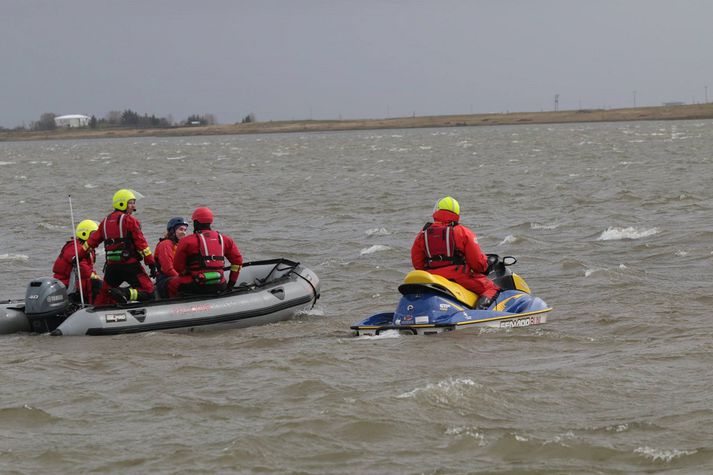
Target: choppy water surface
[{"x": 611, "y": 223}]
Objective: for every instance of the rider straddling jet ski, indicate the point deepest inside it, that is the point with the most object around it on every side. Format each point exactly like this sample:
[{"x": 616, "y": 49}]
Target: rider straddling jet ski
[{"x": 451, "y": 250}]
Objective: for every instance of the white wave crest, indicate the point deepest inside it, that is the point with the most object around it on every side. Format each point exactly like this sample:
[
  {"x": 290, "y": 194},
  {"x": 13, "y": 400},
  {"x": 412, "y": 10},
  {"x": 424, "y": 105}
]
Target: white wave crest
[
  {"x": 90, "y": 186},
  {"x": 7, "y": 163},
  {"x": 616, "y": 234},
  {"x": 561, "y": 439},
  {"x": 589, "y": 272},
  {"x": 314, "y": 312},
  {"x": 14, "y": 257},
  {"x": 444, "y": 391},
  {"x": 662, "y": 455},
  {"x": 467, "y": 431},
  {"x": 377, "y": 232},
  {"x": 509, "y": 239},
  {"x": 180, "y": 157},
  {"x": 374, "y": 248},
  {"x": 51, "y": 227},
  {"x": 385, "y": 335},
  {"x": 543, "y": 226}
]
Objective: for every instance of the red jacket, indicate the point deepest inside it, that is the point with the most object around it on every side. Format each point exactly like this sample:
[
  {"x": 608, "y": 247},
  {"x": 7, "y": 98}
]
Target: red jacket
[
  {"x": 466, "y": 243},
  {"x": 121, "y": 231},
  {"x": 164, "y": 253},
  {"x": 187, "y": 260},
  {"x": 63, "y": 265}
]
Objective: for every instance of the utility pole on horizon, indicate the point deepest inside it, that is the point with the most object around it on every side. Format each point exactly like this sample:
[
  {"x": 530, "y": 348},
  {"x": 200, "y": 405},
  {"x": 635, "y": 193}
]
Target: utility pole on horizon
[
  {"x": 706, "y": 89},
  {"x": 634, "y": 93},
  {"x": 557, "y": 102}
]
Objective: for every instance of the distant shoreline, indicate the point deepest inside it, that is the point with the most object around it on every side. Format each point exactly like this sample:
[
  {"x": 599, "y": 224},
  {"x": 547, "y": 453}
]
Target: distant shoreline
[{"x": 678, "y": 112}]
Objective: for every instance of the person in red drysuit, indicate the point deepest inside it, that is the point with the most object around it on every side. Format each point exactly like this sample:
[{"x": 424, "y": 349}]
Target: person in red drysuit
[
  {"x": 65, "y": 264},
  {"x": 164, "y": 252},
  {"x": 125, "y": 247},
  {"x": 451, "y": 250},
  {"x": 200, "y": 259}
]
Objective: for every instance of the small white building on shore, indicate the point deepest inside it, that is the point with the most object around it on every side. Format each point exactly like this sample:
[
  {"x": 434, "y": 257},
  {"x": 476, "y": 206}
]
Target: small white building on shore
[{"x": 72, "y": 120}]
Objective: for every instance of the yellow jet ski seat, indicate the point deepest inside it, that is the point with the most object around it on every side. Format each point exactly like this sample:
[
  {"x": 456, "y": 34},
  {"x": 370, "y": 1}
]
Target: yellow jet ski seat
[{"x": 422, "y": 278}]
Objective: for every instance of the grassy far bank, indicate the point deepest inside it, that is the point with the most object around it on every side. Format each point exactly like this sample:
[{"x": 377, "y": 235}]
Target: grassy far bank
[{"x": 680, "y": 112}]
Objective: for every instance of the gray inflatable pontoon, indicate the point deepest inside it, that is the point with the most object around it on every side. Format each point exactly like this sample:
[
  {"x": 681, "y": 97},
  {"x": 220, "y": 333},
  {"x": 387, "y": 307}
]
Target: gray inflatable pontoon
[{"x": 267, "y": 291}]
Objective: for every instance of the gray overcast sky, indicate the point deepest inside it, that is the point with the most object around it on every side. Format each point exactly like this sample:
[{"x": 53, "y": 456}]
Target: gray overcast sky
[{"x": 296, "y": 59}]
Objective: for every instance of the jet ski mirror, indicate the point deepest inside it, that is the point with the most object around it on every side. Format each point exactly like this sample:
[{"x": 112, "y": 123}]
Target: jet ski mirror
[{"x": 509, "y": 260}]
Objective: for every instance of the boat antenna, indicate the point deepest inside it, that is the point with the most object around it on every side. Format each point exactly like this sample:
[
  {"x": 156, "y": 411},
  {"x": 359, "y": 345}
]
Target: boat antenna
[{"x": 76, "y": 253}]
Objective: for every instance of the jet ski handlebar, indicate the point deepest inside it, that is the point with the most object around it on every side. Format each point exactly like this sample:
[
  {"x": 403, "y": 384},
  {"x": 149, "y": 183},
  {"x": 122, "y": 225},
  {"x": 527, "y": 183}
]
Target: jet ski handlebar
[{"x": 495, "y": 263}]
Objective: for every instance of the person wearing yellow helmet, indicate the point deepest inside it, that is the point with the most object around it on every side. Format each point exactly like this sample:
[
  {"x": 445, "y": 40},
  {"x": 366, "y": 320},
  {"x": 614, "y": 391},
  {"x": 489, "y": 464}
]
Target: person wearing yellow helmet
[
  {"x": 125, "y": 247},
  {"x": 65, "y": 264},
  {"x": 125, "y": 200},
  {"x": 449, "y": 249}
]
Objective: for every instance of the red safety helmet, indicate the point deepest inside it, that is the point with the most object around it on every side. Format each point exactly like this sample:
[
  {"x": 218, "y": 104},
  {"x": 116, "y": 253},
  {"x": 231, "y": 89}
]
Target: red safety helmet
[{"x": 202, "y": 215}]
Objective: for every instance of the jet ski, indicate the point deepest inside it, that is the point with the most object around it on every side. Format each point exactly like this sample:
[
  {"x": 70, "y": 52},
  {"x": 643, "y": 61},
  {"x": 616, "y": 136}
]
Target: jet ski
[
  {"x": 432, "y": 304},
  {"x": 267, "y": 291}
]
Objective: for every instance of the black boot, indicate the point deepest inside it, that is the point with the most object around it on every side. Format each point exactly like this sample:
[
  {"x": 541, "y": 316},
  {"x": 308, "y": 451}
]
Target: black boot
[
  {"x": 144, "y": 296},
  {"x": 120, "y": 294}
]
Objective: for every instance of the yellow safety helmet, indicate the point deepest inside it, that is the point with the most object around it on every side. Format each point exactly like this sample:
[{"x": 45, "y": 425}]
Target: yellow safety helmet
[
  {"x": 85, "y": 228},
  {"x": 122, "y": 197},
  {"x": 449, "y": 204}
]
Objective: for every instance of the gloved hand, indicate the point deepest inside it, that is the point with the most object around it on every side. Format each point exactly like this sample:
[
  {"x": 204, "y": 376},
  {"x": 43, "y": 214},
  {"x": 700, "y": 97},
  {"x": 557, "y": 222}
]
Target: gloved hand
[
  {"x": 149, "y": 260},
  {"x": 153, "y": 270},
  {"x": 493, "y": 260},
  {"x": 483, "y": 303}
]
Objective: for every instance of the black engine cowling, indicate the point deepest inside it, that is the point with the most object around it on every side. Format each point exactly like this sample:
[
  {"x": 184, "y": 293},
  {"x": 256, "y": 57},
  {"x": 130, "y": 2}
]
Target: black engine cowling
[{"x": 46, "y": 304}]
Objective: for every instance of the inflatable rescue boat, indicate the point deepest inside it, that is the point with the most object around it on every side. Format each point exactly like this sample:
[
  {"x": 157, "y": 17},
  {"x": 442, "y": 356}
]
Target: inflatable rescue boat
[{"x": 267, "y": 291}]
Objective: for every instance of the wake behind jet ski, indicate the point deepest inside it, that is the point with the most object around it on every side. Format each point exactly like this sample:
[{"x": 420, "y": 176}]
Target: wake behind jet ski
[{"x": 433, "y": 304}]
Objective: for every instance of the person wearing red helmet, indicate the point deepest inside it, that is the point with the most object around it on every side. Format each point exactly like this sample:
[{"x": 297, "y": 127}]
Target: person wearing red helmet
[
  {"x": 125, "y": 247},
  {"x": 200, "y": 259},
  {"x": 165, "y": 250},
  {"x": 451, "y": 250}
]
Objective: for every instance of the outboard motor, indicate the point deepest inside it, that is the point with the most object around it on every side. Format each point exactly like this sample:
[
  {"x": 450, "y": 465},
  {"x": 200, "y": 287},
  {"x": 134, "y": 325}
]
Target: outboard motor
[{"x": 46, "y": 304}]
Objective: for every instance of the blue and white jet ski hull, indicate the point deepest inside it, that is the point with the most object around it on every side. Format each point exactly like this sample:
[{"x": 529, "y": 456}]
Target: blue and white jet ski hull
[
  {"x": 431, "y": 304},
  {"x": 428, "y": 314}
]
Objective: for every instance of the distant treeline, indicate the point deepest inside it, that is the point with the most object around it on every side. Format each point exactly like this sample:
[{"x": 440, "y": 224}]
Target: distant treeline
[{"x": 128, "y": 119}]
